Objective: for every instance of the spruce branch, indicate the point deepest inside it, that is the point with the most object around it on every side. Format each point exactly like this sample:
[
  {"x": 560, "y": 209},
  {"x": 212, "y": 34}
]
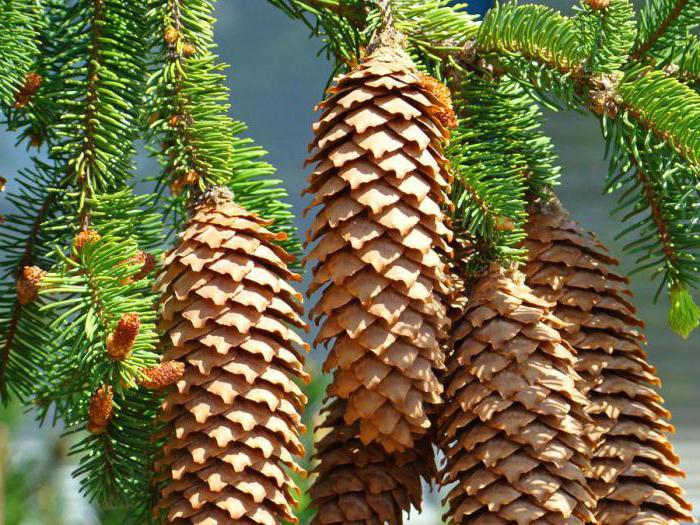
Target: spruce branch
[
  {"x": 93, "y": 291},
  {"x": 684, "y": 62},
  {"x": 608, "y": 35},
  {"x": 196, "y": 141},
  {"x": 536, "y": 33},
  {"x": 662, "y": 22},
  {"x": 24, "y": 334},
  {"x": 667, "y": 107},
  {"x": 659, "y": 200},
  {"x": 19, "y": 20}
]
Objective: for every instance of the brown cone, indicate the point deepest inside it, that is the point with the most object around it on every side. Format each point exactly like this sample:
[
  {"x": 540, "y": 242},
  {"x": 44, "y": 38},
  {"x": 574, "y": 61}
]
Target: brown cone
[
  {"x": 512, "y": 426},
  {"x": 234, "y": 416},
  {"x": 381, "y": 181},
  {"x": 633, "y": 465},
  {"x": 362, "y": 484}
]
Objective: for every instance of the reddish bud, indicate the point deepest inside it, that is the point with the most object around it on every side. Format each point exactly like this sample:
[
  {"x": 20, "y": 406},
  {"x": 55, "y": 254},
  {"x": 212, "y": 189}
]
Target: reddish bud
[
  {"x": 142, "y": 259},
  {"x": 84, "y": 238},
  {"x": 171, "y": 35},
  {"x": 189, "y": 50},
  {"x": 163, "y": 375},
  {"x": 121, "y": 341},
  {"x": 598, "y": 4},
  {"x": 101, "y": 409},
  {"x": 28, "y": 284}
]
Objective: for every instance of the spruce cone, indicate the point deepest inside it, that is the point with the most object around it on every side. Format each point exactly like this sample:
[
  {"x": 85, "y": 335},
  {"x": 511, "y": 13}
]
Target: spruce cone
[
  {"x": 512, "y": 426},
  {"x": 633, "y": 465},
  {"x": 381, "y": 181},
  {"x": 363, "y": 484},
  {"x": 234, "y": 415}
]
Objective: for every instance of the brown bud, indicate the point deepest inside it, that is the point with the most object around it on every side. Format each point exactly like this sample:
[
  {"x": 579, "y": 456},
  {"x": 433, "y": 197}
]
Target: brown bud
[
  {"x": 189, "y": 50},
  {"x": 191, "y": 177},
  {"x": 3, "y": 183},
  {"x": 165, "y": 374},
  {"x": 35, "y": 140},
  {"x": 101, "y": 409},
  {"x": 32, "y": 83},
  {"x": 505, "y": 224},
  {"x": 28, "y": 284},
  {"x": 145, "y": 260},
  {"x": 598, "y": 4},
  {"x": 121, "y": 341},
  {"x": 443, "y": 111},
  {"x": 173, "y": 121},
  {"x": 171, "y": 35},
  {"x": 176, "y": 186},
  {"x": 21, "y": 100},
  {"x": 84, "y": 238}
]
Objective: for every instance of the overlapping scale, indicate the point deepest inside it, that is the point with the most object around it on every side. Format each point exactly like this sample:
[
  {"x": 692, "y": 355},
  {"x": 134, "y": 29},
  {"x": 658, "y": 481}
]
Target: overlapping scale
[
  {"x": 634, "y": 468},
  {"x": 360, "y": 484},
  {"x": 512, "y": 428},
  {"x": 380, "y": 184},
  {"x": 229, "y": 314}
]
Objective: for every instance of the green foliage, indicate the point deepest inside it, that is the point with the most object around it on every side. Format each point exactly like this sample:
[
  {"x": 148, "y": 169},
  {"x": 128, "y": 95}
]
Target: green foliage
[
  {"x": 99, "y": 98},
  {"x": 684, "y": 314},
  {"x": 537, "y": 33},
  {"x": 19, "y": 20},
  {"x": 434, "y": 28},
  {"x": 115, "y": 466},
  {"x": 686, "y": 58},
  {"x": 91, "y": 290},
  {"x": 608, "y": 35},
  {"x": 659, "y": 202},
  {"x": 667, "y": 107},
  {"x": 498, "y": 153},
  {"x": 25, "y": 337},
  {"x": 196, "y": 141},
  {"x": 662, "y": 24}
]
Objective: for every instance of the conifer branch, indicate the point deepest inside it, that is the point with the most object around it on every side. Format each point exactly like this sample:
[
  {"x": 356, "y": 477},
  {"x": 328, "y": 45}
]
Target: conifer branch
[
  {"x": 670, "y": 109},
  {"x": 19, "y": 20},
  {"x": 196, "y": 141},
  {"x": 26, "y": 259},
  {"x": 658, "y": 18},
  {"x": 608, "y": 34}
]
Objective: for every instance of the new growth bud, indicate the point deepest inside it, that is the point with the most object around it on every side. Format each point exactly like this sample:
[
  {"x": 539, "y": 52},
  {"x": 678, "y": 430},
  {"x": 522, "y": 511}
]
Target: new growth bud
[{"x": 121, "y": 341}]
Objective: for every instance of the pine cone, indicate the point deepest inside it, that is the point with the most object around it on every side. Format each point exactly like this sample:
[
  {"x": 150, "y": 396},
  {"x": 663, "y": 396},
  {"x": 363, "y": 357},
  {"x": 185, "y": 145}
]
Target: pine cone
[
  {"x": 234, "y": 415},
  {"x": 633, "y": 465},
  {"x": 364, "y": 484},
  {"x": 512, "y": 426},
  {"x": 381, "y": 180}
]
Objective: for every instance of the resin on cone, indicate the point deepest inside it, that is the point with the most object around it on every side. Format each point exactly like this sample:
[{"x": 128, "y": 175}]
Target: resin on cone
[
  {"x": 228, "y": 313},
  {"x": 512, "y": 425},
  {"x": 380, "y": 232},
  {"x": 364, "y": 484},
  {"x": 634, "y": 469}
]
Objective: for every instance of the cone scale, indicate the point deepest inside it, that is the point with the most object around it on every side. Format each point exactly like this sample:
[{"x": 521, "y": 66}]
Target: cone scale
[
  {"x": 363, "y": 484},
  {"x": 228, "y": 314},
  {"x": 634, "y": 468},
  {"x": 380, "y": 183},
  {"x": 512, "y": 425}
]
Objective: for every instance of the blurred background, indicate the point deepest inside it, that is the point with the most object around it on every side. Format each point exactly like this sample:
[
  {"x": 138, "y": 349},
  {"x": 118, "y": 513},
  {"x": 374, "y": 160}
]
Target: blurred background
[{"x": 276, "y": 79}]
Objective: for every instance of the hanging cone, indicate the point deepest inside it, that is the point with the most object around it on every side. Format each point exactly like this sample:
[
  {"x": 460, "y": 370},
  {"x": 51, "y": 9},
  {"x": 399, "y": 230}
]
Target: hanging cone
[
  {"x": 380, "y": 182},
  {"x": 633, "y": 465},
  {"x": 512, "y": 426},
  {"x": 234, "y": 415},
  {"x": 363, "y": 484}
]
